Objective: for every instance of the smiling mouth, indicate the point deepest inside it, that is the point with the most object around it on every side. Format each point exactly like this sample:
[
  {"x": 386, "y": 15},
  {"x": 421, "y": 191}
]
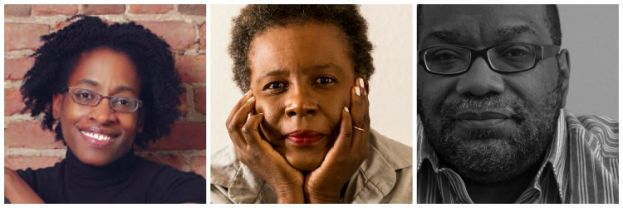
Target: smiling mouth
[{"x": 97, "y": 140}]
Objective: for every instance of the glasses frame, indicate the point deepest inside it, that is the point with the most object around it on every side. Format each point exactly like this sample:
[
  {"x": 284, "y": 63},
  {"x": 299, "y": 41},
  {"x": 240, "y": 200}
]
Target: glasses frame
[
  {"x": 100, "y": 97},
  {"x": 542, "y": 52}
]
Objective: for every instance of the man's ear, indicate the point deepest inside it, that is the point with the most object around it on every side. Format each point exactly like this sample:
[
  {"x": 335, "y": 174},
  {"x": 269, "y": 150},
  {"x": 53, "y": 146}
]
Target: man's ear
[
  {"x": 57, "y": 103},
  {"x": 564, "y": 69}
]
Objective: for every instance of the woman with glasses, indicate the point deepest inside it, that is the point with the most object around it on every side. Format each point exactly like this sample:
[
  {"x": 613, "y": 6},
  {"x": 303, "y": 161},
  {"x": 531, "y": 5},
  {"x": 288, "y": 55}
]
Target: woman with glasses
[{"x": 103, "y": 89}]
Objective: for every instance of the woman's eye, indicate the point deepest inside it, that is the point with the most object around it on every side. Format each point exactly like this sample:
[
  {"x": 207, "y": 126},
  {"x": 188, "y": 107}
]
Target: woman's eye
[
  {"x": 85, "y": 95},
  {"x": 275, "y": 86},
  {"x": 324, "y": 80}
]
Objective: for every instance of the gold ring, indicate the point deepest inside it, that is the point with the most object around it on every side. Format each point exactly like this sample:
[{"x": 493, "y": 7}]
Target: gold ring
[{"x": 360, "y": 129}]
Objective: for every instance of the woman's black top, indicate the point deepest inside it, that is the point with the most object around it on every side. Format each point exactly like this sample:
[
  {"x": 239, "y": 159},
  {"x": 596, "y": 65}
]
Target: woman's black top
[{"x": 131, "y": 179}]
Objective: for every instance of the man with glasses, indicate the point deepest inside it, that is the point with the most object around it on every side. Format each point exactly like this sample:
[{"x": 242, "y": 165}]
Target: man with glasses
[{"x": 492, "y": 83}]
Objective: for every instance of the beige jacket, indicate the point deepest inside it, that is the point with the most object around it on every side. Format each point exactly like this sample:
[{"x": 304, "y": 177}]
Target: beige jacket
[{"x": 385, "y": 177}]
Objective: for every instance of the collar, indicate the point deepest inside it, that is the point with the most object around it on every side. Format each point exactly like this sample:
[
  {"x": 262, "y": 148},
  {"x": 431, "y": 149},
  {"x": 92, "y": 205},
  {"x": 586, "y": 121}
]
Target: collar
[
  {"x": 556, "y": 155},
  {"x": 86, "y": 174},
  {"x": 374, "y": 179}
]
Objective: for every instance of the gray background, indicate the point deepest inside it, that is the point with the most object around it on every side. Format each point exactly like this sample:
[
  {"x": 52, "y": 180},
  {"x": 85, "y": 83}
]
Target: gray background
[{"x": 590, "y": 33}]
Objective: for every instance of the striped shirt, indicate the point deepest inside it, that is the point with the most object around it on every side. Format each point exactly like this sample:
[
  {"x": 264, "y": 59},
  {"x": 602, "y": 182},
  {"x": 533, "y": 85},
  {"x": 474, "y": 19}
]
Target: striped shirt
[{"x": 580, "y": 166}]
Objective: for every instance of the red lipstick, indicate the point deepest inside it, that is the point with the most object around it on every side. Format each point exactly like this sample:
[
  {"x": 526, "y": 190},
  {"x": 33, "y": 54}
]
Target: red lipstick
[{"x": 304, "y": 137}]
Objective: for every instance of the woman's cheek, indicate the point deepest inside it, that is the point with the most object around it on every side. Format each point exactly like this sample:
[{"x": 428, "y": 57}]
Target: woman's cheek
[{"x": 270, "y": 124}]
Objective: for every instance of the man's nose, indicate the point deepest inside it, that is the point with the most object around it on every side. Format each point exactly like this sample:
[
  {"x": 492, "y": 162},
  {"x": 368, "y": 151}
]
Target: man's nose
[
  {"x": 102, "y": 113},
  {"x": 300, "y": 102},
  {"x": 480, "y": 80}
]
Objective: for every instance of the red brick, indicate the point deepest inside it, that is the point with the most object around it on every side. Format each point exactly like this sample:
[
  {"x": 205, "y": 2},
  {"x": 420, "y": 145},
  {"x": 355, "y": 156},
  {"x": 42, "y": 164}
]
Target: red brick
[
  {"x": 172, "y": 160},
  {"x": 184, "y": 136},
  {"x": 12, "y": 101},
  {"x": 180, "y": 35},
  {"x": 23, "y": 35},
  {"x": 183, "y": 108},
  {"x": 92, "y": 9},
  {"x": 150, "y": 8},
  {"x": 202, "y": 32},
  {"x": 29, "y": 134},
  {"x": 198, "y": 165},
  {"x": 18, "y": 10},
  {"x": 193, "y": 9},
  {"x": 200, "y": 100},
  {"x": 54, "y": 9},
  {"x": 192, "y": 69},
  {"x": 34, "y": 162},
  {"x": 15, "y": 69}
]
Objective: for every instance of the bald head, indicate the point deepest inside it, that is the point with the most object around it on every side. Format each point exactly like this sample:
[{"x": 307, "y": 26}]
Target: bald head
[{"x": 544, "y": 15}]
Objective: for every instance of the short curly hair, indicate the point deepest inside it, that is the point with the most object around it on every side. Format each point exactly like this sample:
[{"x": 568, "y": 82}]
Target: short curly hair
[
  {"x": 254, "y": 19},
  {"x": 57, "y": 57}
]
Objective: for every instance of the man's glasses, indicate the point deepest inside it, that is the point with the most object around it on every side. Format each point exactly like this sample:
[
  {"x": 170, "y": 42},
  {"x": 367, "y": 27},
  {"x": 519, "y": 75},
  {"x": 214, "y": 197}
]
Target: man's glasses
[
  {"x": 92, "y": 98},
  {"x": 506, "y": 58}
]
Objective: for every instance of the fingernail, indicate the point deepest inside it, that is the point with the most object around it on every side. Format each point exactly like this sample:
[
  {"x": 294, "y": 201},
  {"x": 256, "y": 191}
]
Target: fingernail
[
  {"x": 362, "y": 83},
  {"x": 357, "y": 91},
  {"x": 251, "y": 99},
  {"x": 346, "y": 109}
]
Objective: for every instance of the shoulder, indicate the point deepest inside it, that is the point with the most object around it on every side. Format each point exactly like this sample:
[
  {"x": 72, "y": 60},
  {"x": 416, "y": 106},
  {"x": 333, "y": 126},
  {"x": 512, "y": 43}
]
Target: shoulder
[
  {"x": 599, "y": 132},
  {"x": 171, "y": 185},
  {"x": 42, "y": 176},
  {"x": 230, "y": 180},
  {"x": 223, "y": 166},
  {"x": 397, "y": 154}
]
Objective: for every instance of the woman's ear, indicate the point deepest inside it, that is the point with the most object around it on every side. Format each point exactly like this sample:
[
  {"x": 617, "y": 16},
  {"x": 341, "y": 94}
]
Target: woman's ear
[
  {"x": 140, "y": 122},
  {"x": 57, "y": 103}
]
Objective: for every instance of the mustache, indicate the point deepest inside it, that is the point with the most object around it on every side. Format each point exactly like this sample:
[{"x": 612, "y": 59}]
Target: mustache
[{"x": 495, "y": 103}]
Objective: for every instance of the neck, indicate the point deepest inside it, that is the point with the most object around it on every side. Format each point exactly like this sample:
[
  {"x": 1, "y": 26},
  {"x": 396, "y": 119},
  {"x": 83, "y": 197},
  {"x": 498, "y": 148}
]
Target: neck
[{"x": 500, "y": 192}]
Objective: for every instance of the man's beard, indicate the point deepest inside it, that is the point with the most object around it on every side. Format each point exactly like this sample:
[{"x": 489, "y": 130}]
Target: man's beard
[{"x": 488, "y": 155}]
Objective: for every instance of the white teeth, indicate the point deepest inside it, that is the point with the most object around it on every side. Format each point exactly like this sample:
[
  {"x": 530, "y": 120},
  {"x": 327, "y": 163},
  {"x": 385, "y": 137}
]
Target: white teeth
[{"x": 99, "y": 137}]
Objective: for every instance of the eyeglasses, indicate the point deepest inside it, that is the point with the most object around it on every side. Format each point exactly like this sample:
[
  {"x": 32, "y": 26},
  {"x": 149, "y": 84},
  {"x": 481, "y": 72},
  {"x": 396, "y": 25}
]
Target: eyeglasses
[
  {"x": 506, "y": 58},
  {"x": 91, "y": 98}
]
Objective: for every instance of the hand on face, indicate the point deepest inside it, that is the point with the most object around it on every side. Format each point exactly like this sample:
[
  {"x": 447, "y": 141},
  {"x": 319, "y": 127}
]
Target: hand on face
[
  {"x": 323, "y": 185},
  {"x": 320, "y": 185},
  {"x": 255, "y": 152}
]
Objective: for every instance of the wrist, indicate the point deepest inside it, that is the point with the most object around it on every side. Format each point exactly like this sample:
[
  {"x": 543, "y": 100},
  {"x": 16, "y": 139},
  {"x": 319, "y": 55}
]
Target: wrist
[
  {"x": 316, "y": 196},
  {"x": 289, "y": 194}
]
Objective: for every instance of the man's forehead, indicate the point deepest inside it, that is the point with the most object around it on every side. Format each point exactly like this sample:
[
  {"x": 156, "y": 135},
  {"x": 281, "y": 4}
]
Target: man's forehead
[{"x": 481, "y": 23}]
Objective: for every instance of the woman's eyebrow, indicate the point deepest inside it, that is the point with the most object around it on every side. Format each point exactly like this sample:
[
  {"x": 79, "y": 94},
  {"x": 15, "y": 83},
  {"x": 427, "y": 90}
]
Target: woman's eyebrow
[
  {"x": 124, "y": 88},
  {"x": 117, "y": 89},
  {"x": 275, "y": 72},
  {"x": 89, "y": 82}
]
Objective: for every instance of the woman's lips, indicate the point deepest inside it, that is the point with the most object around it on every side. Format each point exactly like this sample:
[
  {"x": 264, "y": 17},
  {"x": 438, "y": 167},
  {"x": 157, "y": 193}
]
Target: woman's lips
[
  {"x": 304, "y": 137},
  {"x": 97, "y": 139}
]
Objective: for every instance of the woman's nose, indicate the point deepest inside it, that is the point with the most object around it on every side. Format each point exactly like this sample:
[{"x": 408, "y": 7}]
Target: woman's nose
[
  {"x": 102, "y": 113},
  {"x": 300, "y": 102}
]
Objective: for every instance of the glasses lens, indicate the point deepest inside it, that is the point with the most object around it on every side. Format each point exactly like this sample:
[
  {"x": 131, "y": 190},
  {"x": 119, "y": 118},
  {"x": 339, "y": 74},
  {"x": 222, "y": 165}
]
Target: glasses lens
[
  {"x": 446, "y": 59},
  {"x": 124, "y": 104},
  {"x": 513, "y": 57},
  {"x": 84, "y": 96}
]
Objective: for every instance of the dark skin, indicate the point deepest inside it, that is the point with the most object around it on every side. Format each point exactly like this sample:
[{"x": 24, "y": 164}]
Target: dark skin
[
  {"x": 479, "y": 26},
  {"x": 108, "y": 73},
  {"x": 302, "y": 79}
]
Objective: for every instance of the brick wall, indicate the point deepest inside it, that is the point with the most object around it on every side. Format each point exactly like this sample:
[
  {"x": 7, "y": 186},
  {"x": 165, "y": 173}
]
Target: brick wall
[{"x": 182, "y": 26}]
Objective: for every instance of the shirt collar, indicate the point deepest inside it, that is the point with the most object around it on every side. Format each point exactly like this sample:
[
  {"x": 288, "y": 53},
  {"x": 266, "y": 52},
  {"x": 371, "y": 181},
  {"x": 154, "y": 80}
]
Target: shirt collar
[{"x": 556, "y": 154}]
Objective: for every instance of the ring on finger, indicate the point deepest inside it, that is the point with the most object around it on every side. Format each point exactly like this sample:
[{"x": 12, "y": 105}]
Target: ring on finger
[{"x": 359, "y": 128}]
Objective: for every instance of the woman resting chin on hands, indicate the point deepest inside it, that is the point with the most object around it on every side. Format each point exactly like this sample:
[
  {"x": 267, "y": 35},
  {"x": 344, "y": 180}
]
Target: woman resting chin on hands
[{"x": 301, "y": 132}]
